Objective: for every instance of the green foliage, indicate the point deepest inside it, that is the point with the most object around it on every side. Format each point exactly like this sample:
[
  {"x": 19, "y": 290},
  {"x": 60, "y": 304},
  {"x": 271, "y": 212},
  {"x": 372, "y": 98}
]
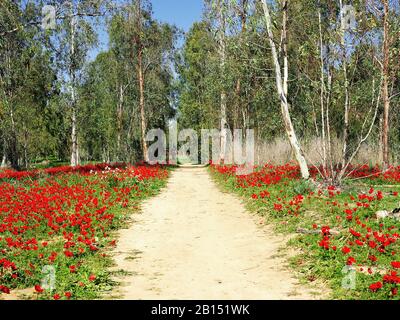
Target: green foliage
[
  {"x": 303, "y": 186},
  {"x": 35, "y": 102},
  {"x": 109, "y": 118},
  {"x": 317, "y": 210}
]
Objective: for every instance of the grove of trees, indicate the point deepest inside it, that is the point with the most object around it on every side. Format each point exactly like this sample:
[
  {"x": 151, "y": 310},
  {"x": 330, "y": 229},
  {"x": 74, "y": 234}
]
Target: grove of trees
[{"x": 322, "y": 74}]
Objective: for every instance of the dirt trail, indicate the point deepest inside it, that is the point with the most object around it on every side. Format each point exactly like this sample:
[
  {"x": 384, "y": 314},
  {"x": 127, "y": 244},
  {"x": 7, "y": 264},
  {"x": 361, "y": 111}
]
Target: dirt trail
[{"x": 195, "y": 242}]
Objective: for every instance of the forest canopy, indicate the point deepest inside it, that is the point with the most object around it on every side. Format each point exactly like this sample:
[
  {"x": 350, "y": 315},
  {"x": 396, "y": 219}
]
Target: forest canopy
[{"x": 318, "y": 81}]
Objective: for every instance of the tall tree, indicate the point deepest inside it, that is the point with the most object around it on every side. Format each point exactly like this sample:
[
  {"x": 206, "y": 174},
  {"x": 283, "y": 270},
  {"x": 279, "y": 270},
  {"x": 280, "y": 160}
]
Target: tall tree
[
  {"x": 221, "y": 5},
  {"x": 73, "y": 37},
  {"x": 282, "y": 84},
  {"x": 385, "y": 85},
  {"x": 112, "y": 87},
  {"x": 26, "y": 83},
  {"x": 137, "y": 40}
]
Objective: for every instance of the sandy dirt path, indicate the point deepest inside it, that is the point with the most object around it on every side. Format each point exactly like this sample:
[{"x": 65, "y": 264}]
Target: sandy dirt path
[{"x": 195, "y": 242}]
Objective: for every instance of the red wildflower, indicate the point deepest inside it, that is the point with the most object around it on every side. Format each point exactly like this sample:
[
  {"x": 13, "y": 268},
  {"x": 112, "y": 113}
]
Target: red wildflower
[
  {"x": 360, "y": 243},
  {"x": 326, "y": 230},
  {"x": 348, "y": 211},
  {"x": 391, "y": 278},
  {"x": 346, "y": 250},
  {"x": 324, "y": 243},
  {"x": 350, "y": 261},
  {"x": 396, "y": 264},
  {"x": 38, "y": 289},
  {"x": 355, "y": 233},
  {"x": 372, "y": 244},
  {"x": 375, "y": 286},
  {"x": 4, "y": 289},
  {"x": 68, "y": 254}
]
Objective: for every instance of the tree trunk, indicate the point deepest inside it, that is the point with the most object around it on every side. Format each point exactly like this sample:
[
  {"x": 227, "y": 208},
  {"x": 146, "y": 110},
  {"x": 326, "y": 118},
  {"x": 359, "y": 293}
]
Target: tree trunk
[
  {"x": 13, "y": 148},
  {"x": 240, "y": 109},
  {"x": 222, "y": 56},
  {"x": 3, "y": 161},
  {"x": 142, "y": 105},
  {"x": 26, "y": 160},
  {"x": 119, "y": 120},
  {"x": 385, "y": 89},
  {"x": 282, "y": 87},
  {"x": 347, "y": 97},
  {"x": 139, "y": 45},
  {"x": 74, "y": 133},
  {"x": 4, "y": 158},
  {"x": 322, "y": 95}
]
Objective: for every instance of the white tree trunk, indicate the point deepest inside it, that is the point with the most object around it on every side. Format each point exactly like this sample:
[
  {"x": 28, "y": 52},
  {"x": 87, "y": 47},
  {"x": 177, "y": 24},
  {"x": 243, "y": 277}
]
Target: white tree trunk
[
  {"x": 281, "y": 85},
  {"x": 140, "y": 72},
  {"x": 385, "y": 89},
  {"x": 74, "y": 133},
  {"x": 222, "y": 55},
  {"x": 4, "y": 158},
  {"x": 322, "y": 95},
  {"x": 120, "y": 107},
  {"x": 347, "y": 93}
]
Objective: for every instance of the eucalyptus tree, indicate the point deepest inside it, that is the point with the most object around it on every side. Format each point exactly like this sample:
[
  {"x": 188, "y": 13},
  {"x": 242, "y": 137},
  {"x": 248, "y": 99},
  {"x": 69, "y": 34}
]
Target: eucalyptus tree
[
  {"x": 73, "y": 37},
  {"x": 26, "y": 84},
  {"x": 138, "y": 46},
  {"x": 113, "y": 85},
  {"x": 282, "y": 82},
  {"x": 196, "y": 65},
  {"x": 217, "y": 11},
  {"x": 389, "y": 11},
  {"x": 349, "y": 82},
  {"x": 151, "y": 51}
]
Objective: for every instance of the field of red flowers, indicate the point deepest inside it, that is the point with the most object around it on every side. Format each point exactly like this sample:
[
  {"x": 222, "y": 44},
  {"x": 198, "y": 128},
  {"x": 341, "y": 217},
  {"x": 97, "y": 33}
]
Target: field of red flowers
[
  {"x": 341, "y": 240},
  {"x": 57, "y": 224}
]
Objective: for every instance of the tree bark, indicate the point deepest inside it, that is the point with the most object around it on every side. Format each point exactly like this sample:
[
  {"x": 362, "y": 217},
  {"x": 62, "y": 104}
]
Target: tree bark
[
  {"x": 119, "y": 120},
  {"x": 74, "y": 133},
  {"x": 4, "y": 157},
  {"x": 222, "y": 56},
  {"x": 281, "y": 87},
  {"x": 385, "y": 88},
  {"x": 3, "y": 161},
  {"x": 347, "y": 95},
  {"x": 13, "y": 148},
  {"x": 139, "y": 44},
  {"x": 11, "y": 152},
  {"x": 322, "y": 95},
  {"x": 25, "y": 146},
  {"x": 240, "y": 109}
]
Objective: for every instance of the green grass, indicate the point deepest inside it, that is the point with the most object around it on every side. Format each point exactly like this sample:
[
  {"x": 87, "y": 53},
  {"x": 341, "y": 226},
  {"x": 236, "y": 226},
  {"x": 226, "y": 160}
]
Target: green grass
[
  {"x": 314, "y": 262},
  {"x": 89, "y": 263}
]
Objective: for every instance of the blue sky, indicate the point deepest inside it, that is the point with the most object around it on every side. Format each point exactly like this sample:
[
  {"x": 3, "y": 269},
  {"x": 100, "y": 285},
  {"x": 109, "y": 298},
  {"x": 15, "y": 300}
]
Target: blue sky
[{"x": 182, "y": 13}]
